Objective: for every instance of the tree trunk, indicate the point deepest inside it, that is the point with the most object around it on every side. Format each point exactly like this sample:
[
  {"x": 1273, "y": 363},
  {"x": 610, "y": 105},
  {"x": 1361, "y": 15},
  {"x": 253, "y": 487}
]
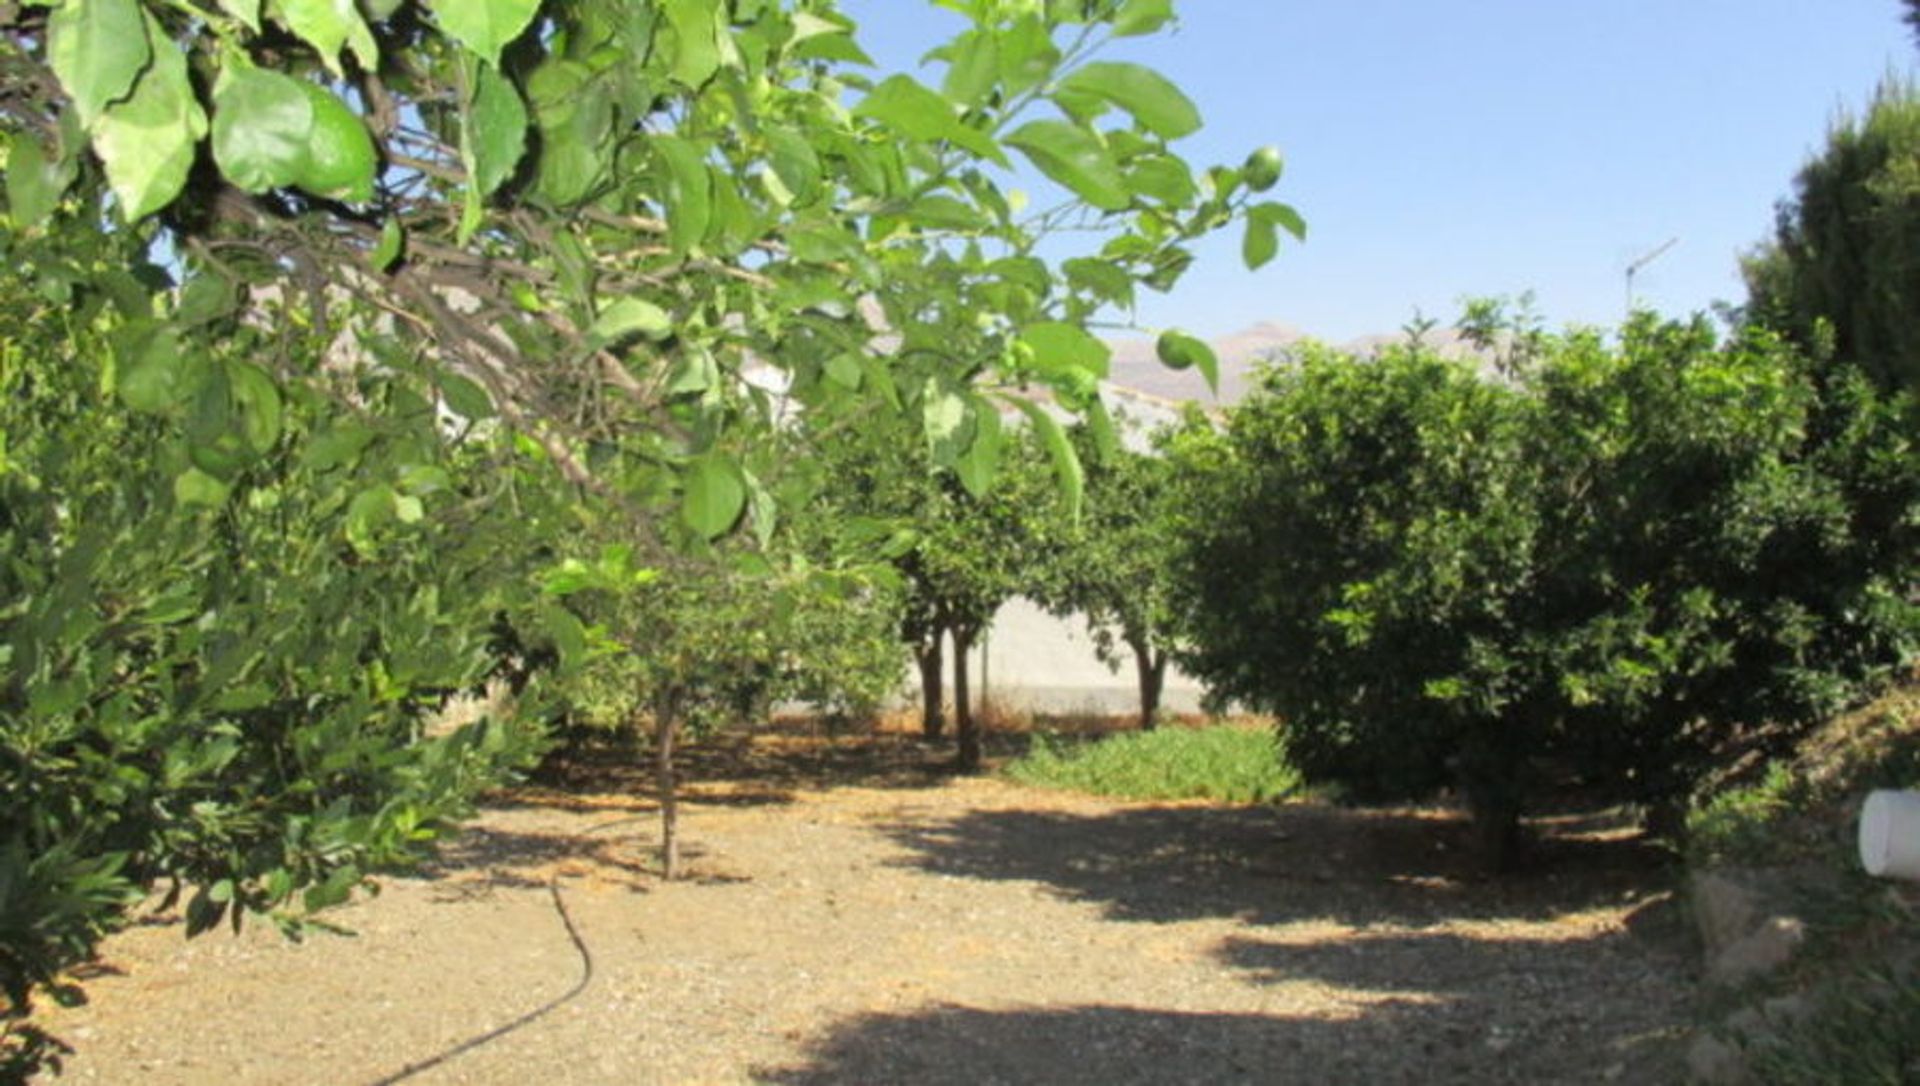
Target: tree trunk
[
  {"x": 967, "y": 758},
  {"x": 933, "y": 720},
  {"x": 1491, "y": 783},
  {"x": 1151, "y": 669},
  {"x": 666, "y": 729}
]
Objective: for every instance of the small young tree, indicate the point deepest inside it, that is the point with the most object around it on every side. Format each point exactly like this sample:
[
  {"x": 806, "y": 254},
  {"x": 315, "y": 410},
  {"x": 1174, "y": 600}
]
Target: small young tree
[
  {"x": 1112, "y": 565},
  {"x": 959, "y": 553},
  {"x": 680, "y": 655}
]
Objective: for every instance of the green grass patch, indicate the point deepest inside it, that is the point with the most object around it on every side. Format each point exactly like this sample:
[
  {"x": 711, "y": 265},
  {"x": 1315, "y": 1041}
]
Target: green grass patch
[{"x": 1221, "y": 762}]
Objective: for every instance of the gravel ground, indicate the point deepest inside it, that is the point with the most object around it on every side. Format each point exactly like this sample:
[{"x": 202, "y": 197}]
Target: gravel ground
[{"x": 851, "y": 919}]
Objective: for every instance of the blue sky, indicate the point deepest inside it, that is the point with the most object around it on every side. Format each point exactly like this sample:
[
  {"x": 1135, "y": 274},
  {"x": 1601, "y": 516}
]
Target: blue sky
[{"x": 1440, "y": 150}]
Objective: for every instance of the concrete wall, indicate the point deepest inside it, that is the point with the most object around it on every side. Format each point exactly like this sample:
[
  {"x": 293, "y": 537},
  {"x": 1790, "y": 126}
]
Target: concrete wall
[{"x": 1035, "y": 662}]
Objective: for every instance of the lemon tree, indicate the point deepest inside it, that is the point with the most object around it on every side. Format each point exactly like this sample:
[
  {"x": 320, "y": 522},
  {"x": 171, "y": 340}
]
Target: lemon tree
[{"x": 613, "y": 246}]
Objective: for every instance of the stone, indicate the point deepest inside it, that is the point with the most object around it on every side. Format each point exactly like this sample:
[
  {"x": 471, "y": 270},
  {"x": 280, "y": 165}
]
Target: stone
[
  {"x": 1715, "y": 1062},
  {"x": 1787, "y": 1010},
  {"x": 1761, "y": 951},
  {"x": 1725, "y": 909}
]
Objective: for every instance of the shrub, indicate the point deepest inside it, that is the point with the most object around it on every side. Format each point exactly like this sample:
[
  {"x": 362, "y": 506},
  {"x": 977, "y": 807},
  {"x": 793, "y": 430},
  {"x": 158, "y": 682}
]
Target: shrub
[
  {"x": 1616, "y": 559},
  {"x": 1224, "y": 762}
]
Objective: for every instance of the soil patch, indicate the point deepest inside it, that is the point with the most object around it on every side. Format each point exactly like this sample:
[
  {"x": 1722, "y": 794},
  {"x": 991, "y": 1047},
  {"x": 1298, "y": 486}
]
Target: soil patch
[{"x": 853, "y": 917}]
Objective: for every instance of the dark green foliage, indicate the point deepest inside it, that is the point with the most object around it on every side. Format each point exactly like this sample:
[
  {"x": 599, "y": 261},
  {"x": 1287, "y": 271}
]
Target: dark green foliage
[
  {"x": 1841, "y": 275},
  {"x": 215, "y": 673},
  {"x": 1615, "y": 561}
]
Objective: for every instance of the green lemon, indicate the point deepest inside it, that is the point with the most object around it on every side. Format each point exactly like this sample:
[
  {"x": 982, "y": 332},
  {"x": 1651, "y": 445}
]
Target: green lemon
[
  {"x": 1263, "y": 169},
  {"x": 340, "y": 156}
]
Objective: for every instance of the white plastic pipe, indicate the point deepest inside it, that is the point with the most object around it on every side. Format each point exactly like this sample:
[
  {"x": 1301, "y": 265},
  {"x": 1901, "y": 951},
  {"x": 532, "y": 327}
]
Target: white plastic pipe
[{"x": 1890, "y": 835}]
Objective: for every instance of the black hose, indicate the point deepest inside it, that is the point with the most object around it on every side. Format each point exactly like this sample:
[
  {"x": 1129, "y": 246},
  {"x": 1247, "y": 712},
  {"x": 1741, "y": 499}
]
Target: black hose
[{"x": 579, "y": 986}]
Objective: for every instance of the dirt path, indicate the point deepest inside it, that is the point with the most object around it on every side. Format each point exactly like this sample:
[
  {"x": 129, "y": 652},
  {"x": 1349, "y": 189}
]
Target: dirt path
[{"x": 926, "y": 932}]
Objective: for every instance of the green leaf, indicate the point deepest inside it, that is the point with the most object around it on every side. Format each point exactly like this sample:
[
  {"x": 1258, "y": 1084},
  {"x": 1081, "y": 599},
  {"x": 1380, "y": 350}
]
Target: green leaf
[
  {"x": 196, "y": 487},
  {"x": 1180, "y": 351},
  {"x": 1282, "y": 216},
  {"x": 912, "y": 110},
  {"x": 247, "y": 11},
  {"x": 904, "y": 105},
  {"x": 153, "y": 375},
  {"x": 261, "y": 124},
  {"x": 329, "y": 25},
  {"x": 695, "y": 372},
  {"x": 258, "y": 399},
  {"x": 1264, "y": 221},
  {"x": 981, "y": 462},
  {"x": 466, "y": 397},
  {"x": 496, "y": 128},
  {"x": 205, "y": 298},
  {"x": 366, "y": 513},
  {"x": 795, "y": 162},
  {"x": 845, "y": 370},
  {"x": 1067, "y": 469},
  {"x": 1154, "y": 102},
  {"x": 1027, "y": 54},
  {"x": 1165, "y": 178},
  {"x": 714, "y": 496},
  {"x": 484, "y": 26},
  {"x": 948, "y": 422},
  {"x": 1058, "y": 347},
  {"x": 148, "y": 142},
  {"x": 568, "y": 633},
  {"x": 1101, "y": 278},
  {"x": 629, "y": 317},
  {"x": 34, "y": 184},
  {"x": 973, "y": 68},
  {"x": 1106, "y": 439},
  {"x": 762, "y": 510},
  {"x": 203, "y": 912},
  {"x": 1261, "y": 244},
  {"x": 688, "y": 191},
  {"x": 837, "y": 46},
  {"x": 1138, "y": 17},
  {"x": 1076, "y": 159},
  {"x": 98, "y": 48},
  {"x": 699, "y": 31},
  {"x": 945, "y": 213}
]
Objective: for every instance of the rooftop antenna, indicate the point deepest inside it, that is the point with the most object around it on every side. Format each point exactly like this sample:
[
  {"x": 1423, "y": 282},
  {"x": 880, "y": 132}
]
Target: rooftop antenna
[{"x": 1644, "y": 260}]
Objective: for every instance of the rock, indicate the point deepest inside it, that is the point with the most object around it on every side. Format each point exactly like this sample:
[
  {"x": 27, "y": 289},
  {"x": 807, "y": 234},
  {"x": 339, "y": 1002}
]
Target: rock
[
  {"x": 1787, "y": 1010},
  {"x": 1724, "y": 909},
  {"x": 1761, "y": 951},
  {"x": 1713, "y": 1061}
]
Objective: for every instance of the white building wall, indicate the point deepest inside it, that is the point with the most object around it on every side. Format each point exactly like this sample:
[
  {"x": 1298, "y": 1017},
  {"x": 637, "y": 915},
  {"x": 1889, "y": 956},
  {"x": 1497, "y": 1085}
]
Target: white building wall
[{"x": 1035, "y": 662}]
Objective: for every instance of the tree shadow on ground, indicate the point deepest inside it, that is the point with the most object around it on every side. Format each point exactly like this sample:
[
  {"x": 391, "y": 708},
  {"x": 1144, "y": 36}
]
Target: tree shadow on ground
[
  {"x": 1558, "y": 1008},
  {"x": 767, "y": 766},
  {"x": 482, "y": 858},
  {"x": 1545, "y": 972},
  {"x": 1308, "y": 861},
  {"x": 1394, "y": 1041}
]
